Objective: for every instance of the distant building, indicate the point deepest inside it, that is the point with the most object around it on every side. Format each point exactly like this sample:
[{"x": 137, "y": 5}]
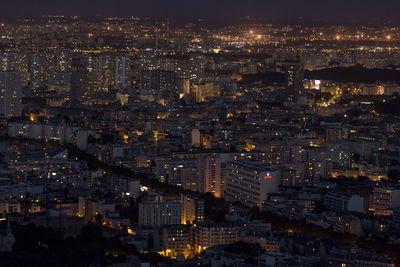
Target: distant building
[
  {"x": 200, "y": 92},
  {"x": 122, "y": 72},
  {"x": 160, "y": 83},
  {"x": 129, "y": 187},
  {"x": 251, "y": 182},
  {"x": 209, "y": 169},
  {"x": 10, "y": 207},
  {"x": 380, "y": 201},
  {"x": 294, "y": 72},
  {"x": 342, "y": 202},
  {"x": 206, "y": 235},
  {"x": 160, "y": 212},
  {"x": 89, "y": 208},
  {"x": 10, "y": 94},
  {"x": 196, "y": 138},
  {"x": 60, "y": 82},
  {"x": 373, "y": 90},
  {"x": 181, "y": 172},
  {"x": 37, "y": 71},
  {"x": 192, "y": 209},
  {"x": 175, "y": 241}
]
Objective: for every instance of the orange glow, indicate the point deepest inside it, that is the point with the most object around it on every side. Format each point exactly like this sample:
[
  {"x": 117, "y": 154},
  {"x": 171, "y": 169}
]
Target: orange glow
[
  {"x": 91, "y": 51},
  {"x": 249, "y": 147}
]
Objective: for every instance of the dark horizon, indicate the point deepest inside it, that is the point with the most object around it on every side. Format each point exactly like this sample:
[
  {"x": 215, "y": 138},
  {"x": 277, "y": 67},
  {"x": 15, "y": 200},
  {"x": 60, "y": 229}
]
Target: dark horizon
[{"x": 339, "y": 11}]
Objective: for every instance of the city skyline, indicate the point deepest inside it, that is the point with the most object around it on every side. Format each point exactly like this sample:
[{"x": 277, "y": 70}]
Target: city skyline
[
  {"x": 369, "y": 11},
  {"x": 173, "y": 133}
]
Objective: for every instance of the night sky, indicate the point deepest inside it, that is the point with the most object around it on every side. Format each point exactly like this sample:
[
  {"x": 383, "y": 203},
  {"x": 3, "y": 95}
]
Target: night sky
[{"x": 324, "y": 10}]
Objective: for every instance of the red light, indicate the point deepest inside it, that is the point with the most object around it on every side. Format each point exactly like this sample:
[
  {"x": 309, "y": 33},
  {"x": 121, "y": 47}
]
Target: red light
[
  {"x": 268, "y": 177},
  {"x": 18, "y": 177},
  {"x": 70, "y": 171}
]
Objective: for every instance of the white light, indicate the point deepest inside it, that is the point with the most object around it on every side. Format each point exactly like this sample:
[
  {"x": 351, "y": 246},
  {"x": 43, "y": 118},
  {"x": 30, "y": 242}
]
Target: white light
[
  {"x": 317, "y": 84},
  {"x": 53, "y": 173}
]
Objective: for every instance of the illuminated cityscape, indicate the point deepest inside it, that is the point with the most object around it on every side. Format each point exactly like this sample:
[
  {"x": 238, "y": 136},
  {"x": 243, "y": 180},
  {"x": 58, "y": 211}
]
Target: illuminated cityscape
[{"x": 153, "y": 139}]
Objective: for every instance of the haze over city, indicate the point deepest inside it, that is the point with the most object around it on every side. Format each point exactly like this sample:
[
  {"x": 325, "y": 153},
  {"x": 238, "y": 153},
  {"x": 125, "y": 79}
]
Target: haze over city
[{"x": 333, "y": 11}]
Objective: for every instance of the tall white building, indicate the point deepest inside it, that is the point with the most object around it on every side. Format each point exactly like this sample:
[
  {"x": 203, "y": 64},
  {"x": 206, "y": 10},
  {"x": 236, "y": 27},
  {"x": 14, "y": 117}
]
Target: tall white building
[
  {"x": 122, "y": 72},
  {"x": 209, "y": 169},
  {"x": 10, "y": 94},
  {"x": 251, "y": 182}
]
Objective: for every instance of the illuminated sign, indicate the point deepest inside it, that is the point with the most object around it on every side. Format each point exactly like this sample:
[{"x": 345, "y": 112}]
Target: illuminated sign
[{"x": 268, "y": 176}]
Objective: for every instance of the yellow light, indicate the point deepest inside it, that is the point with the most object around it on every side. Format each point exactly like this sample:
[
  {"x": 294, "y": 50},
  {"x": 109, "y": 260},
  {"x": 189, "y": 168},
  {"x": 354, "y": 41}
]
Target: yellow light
[
  {"x": 251, "y": 32},
  {"x": 161, "y": 253},
  {"x": 91, "y": 51},
  {"x": 337, "y": 37},
  {"x": 388, "y": 37},
  {"x": 249, "y": 147}
]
